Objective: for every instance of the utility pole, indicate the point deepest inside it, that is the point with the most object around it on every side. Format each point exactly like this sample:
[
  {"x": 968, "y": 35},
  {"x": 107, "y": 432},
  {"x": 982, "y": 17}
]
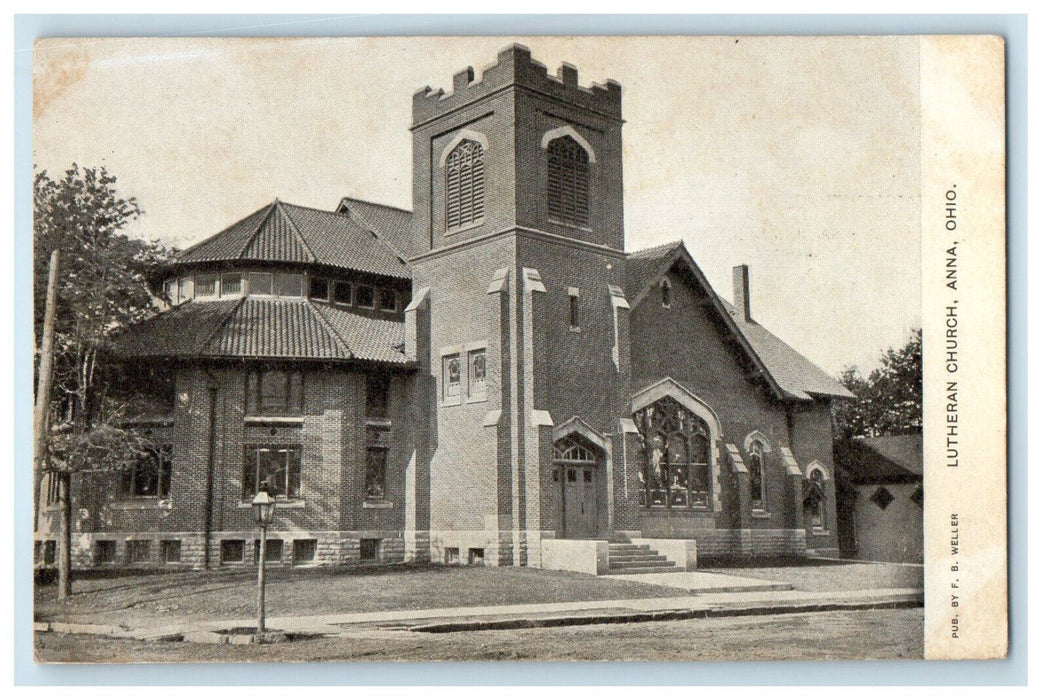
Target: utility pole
[{"x": 43, "y": 387}]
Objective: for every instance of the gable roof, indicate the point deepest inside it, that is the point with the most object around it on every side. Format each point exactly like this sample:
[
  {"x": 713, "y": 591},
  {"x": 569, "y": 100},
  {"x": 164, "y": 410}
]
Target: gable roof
[
  {"x": 888, "y": 458},
  {"x": 264, "y": 329},
  {"x": 788, "y": 373},
  {"x": 288, "y": 233},
  {"x": 392, "y": 223}
]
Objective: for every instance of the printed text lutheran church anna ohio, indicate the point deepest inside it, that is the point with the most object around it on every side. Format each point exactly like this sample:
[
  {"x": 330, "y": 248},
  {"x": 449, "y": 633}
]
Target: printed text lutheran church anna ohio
[{"x": 488, "y": 378}]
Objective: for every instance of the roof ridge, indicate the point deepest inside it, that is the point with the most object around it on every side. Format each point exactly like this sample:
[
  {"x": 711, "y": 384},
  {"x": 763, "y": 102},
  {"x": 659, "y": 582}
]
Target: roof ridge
[
  {"x": 213, "y": 236},
  {"x": 295, "y": 229},
  {"x": 375, "y": 204},
  {"x": 379, "y": 237},
  {"x": 258, "y": 228},
  {"x": 668, "y": 245},
  {"x": 315, "y": 309},
  {"x": 221, "y": 324}
]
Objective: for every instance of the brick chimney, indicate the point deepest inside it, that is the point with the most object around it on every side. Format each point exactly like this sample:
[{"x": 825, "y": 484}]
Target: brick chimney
[{"x": 741, "y": 290}]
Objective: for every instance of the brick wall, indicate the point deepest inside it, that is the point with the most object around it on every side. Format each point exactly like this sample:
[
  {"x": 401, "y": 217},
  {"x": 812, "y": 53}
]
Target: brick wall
[{"x": 685, "y": 342}]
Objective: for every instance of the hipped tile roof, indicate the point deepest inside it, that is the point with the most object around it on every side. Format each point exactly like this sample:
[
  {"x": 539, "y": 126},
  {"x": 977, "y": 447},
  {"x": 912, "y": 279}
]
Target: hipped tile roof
[
  {"x": 288, "y": 233},
  {"x": 393, "y": 224},
  {"x": 793, "y": 374},
  {"x": 264, "y": 329}
]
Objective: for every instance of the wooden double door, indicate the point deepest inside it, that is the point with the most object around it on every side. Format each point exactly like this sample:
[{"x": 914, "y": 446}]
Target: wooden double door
[{"x": 578, "y": 489}]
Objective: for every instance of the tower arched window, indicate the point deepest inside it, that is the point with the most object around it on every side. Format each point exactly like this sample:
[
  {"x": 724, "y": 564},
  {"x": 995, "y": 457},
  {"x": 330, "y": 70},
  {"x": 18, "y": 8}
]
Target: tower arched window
[
  {"x": 676, "y": 456},
  {"x": 568, "y": 181},
  {"x": 464, "y": 173}
]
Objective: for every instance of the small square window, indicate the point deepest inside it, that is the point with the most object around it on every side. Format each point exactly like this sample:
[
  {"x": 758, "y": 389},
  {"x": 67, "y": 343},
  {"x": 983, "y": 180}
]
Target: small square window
[
  {"x": 260, "y": 283},
  {"x": 185, "y": 289},
  {"x": 370, "y": 549},
  {"x": 587, "y": 476},
  {"x": 571, "y": 475},
  {"x": 343, "y": 293},
  {"x": 318, "y": 289},
  {"x": 451, "y": 555},
  {"x": 365, "y": 296},
  {"x": 105, "y": 552},
  {"x": 231, "y": 551},
  {"x": 231, "y": 284},
  {"x": 476, "y": 556},
  {"x": 171, "y": 551},
  {"x": 557, "y": 475},
  {"x": 303, "y": 551},
  {"x": 274, "y": 551},
  {"x": 137, "y": 551},
  {"x": 288, "y": 284},
  {"x": 205, "y": 285},
  {"x": 387, "y": 299},
  {"x": 882, "y": 498}
]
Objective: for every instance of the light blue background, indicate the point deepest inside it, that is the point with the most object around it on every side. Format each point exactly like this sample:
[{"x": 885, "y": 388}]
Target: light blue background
[{"x": 1012, "y": 671}]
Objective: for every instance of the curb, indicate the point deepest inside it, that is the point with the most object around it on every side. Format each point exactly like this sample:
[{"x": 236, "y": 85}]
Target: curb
[{"x": 657, "y": 616}]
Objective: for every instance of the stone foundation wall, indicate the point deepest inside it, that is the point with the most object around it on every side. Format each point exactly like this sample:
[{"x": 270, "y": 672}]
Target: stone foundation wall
[
  {"x": 751, "y": 543},
  {"x": 230, "y": 549}
]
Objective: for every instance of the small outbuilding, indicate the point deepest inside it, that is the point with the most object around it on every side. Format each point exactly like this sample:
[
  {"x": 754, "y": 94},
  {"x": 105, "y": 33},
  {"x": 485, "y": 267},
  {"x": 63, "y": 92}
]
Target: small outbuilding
[{"x": 881, "y": 498}]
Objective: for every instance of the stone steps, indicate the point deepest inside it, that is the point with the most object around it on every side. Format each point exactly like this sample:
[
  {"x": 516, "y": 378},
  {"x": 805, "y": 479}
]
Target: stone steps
[{"x": 637, "y": 559}]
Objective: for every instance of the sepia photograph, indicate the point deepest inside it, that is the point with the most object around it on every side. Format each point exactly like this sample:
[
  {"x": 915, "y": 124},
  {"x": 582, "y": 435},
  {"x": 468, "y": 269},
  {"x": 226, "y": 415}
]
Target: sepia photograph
[{"x": 568, "y": 348}]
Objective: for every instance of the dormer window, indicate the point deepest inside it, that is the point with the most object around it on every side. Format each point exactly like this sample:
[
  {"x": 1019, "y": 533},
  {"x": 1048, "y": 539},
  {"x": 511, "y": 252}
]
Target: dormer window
[
  {"x": 343, "y": 293},
  {"x": 568, "y": 182},
  {"x": 464, "y": 181},
  {"x": 318, "y": 289}
]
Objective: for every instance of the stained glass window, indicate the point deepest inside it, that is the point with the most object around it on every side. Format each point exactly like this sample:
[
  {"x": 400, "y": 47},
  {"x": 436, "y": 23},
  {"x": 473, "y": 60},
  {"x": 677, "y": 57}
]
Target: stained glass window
[
  {"x": 675, "y": 456},
  {"x": 756, "y": 467},
  {"x": 478, "y": 374}
]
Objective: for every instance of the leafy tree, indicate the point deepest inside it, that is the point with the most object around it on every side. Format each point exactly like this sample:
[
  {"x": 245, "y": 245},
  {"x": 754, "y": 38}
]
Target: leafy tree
[
  {"x": 102, "y": 288},
  {"x": 889, "y": 400}
]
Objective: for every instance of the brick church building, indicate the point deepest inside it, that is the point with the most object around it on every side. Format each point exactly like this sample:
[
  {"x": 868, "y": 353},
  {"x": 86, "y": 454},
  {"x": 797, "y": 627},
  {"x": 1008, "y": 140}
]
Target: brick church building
[{"x": 487, "y": 378}]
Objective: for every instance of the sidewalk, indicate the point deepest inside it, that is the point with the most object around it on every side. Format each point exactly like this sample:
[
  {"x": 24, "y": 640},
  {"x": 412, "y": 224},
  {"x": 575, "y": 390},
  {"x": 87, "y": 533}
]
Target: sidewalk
[{"x": 529, "y": 615}]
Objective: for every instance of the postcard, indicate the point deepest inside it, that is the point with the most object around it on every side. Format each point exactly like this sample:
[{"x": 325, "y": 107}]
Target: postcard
[{"x": 548, "y": 348}]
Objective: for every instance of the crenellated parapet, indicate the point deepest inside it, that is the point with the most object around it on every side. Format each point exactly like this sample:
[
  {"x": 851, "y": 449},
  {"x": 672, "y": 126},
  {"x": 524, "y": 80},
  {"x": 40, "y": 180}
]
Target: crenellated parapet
[{"x": 515, "y": 66}]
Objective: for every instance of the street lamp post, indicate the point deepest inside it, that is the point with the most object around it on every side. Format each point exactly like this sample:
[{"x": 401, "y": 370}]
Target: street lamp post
[{"x": 262, "y": 508}]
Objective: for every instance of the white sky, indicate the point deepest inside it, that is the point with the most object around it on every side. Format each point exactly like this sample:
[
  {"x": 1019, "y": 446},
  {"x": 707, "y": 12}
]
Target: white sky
[{"x": 798, "y": 156}]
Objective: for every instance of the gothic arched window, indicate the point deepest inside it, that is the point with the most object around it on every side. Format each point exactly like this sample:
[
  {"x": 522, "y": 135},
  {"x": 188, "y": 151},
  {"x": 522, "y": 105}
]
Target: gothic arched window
[
  {"x": 676, "y": 456},
  {"x": 464, "y": 173},
  {"x": 568, "y": 181},
  {"x": 756, "y": 466},
  {"x": 816, "y": 497}
]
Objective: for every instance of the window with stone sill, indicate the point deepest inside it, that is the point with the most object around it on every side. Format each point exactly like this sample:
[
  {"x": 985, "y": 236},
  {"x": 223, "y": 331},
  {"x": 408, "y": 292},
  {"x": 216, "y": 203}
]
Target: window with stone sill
[
  {"x": 756, "y": 467},
  {"x": 149, "y": 477},
  {"x": 377, "y": 396},
  {"x": 451, "y": 370},
  {"x": 375, "y": 464},
  {"x": 279, "y": 393},
  {"x": 477, "y": 374},
  {"x": 275, "y": 468}
]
